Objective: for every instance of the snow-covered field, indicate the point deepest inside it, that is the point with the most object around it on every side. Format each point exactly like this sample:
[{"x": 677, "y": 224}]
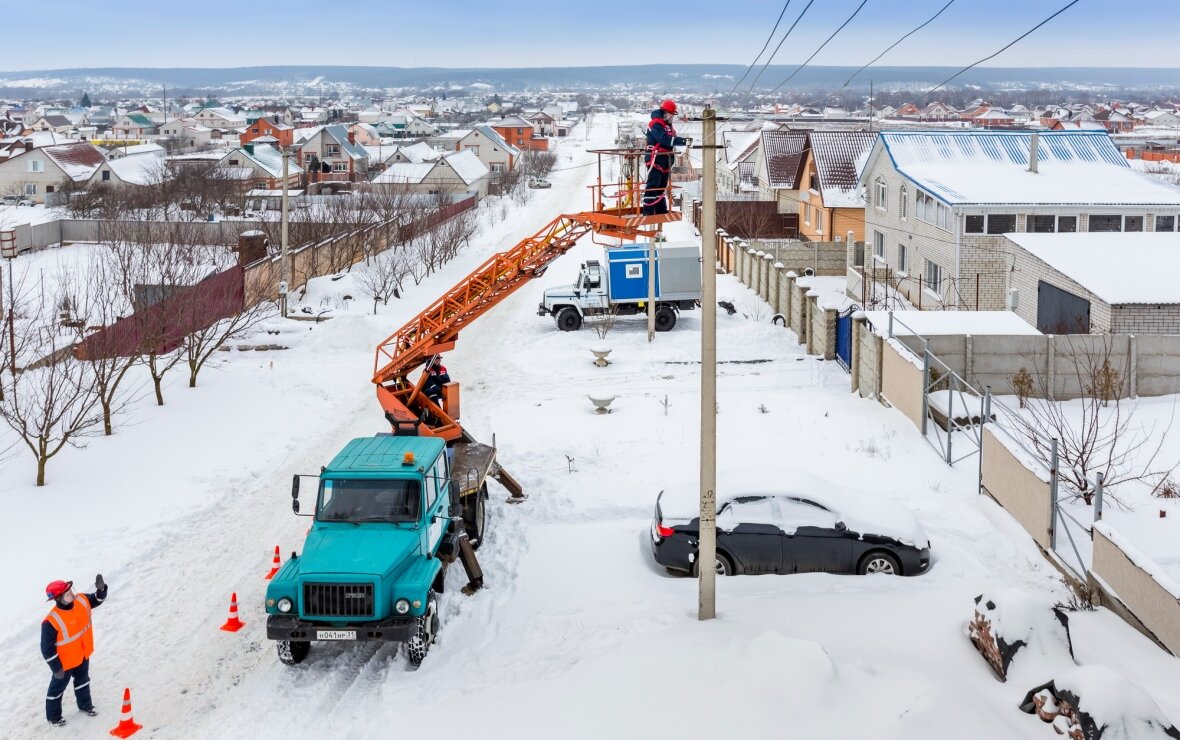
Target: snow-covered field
[{"x": 578, "y": 634}]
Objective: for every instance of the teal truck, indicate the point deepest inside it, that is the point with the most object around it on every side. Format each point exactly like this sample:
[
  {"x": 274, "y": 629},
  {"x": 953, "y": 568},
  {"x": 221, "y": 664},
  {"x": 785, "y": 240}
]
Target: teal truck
[{"x": 391, "y": 514}]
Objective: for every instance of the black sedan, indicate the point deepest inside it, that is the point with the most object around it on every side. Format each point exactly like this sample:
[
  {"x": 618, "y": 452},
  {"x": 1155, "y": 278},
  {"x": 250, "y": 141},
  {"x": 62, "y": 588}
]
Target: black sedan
[{"x": 789, "y": 533}]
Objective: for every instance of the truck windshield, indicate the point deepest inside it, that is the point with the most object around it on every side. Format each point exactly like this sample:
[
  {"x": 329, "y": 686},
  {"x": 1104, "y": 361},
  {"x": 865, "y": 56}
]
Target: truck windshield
[{"x": 369, "y": 500}]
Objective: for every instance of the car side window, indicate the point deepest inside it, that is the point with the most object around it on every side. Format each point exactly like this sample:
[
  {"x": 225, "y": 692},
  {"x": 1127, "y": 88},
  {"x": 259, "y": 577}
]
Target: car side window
[
  {"x": 796, "y": 514},
  {"x": 749, "y": 510}
]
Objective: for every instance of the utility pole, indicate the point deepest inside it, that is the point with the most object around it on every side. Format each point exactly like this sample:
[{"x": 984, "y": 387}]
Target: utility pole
[
  {"x": 651, "y": 288},
  {"x": 284, "y": 267},
  {"x": 707, "y": 551}
]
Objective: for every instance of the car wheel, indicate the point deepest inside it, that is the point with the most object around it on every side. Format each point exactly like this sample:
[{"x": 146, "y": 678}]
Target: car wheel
[
  {"x": 665, "y": 318},
  {"x": 293, "y": 652},
  {"x": 568, "y": 319},
  {"x": 723, "y": 566},
  {"x": 879, "y": 562}
]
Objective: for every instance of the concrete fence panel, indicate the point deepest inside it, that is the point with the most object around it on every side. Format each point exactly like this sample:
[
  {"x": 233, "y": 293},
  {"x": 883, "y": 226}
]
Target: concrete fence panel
[
  {"x": 1157, "y": 373},
  {"x": 1157, "y": 607},
  {"x": 1077, "y": 357},
  {"x": 1022, "y": 493},
  {"x": 901, "y": 382},
  {"x": 996, "y": 359}
]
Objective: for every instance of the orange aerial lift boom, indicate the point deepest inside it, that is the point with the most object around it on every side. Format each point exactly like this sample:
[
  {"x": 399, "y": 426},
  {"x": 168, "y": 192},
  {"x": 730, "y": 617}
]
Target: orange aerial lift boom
[{"x": 434, "y": 330}]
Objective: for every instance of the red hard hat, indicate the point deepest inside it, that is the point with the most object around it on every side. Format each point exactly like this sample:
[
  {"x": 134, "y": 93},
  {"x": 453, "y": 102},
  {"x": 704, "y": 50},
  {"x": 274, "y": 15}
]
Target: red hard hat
[
  {"x": 669, "y": 106},
  {"x": 57, "y": 588}
]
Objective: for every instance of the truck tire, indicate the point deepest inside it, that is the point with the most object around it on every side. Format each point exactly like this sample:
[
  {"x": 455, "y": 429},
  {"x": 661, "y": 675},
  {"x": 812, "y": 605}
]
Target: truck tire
[
  {"x": 665, "y": 318},
  {"x": 293, "y": 652},
  {"x": 427, "y": 629},
  {"x": 568, "y": 319},
  {"x": 475, "y": 516}
]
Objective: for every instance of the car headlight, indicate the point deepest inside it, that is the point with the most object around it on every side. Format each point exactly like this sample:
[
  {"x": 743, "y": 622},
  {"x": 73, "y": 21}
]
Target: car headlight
[
  {"x": 401, "y": 606},
  {"x": 285, "y": 605}
]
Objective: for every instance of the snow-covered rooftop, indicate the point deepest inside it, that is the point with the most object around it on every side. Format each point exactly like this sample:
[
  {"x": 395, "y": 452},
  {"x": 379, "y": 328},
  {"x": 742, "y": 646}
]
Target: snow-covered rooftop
[
  {"x": 1118, "y": 267},
  {"x": 467, "y": 165},
  {"x": 942, "y": 323},
  {"x": 991, "y": 168}
]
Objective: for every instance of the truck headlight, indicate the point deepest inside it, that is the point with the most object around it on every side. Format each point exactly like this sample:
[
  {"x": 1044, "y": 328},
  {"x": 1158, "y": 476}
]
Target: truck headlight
[
  {"x": 285, "y": 605},
  {"x": 401, "y": 606}
]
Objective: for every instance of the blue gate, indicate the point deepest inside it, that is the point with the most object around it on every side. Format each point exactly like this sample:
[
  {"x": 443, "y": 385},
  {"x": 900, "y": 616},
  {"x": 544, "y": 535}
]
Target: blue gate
[{"x": 844, "y": 338}]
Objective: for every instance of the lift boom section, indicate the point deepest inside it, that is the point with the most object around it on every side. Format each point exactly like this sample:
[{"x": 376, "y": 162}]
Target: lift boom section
[{"x": 434, "y": 330}]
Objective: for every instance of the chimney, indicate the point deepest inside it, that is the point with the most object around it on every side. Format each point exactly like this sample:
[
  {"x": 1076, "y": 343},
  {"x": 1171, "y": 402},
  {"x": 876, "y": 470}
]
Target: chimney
[
  {"x": 29, "y": 145},
  {"x": 1033, "y": 143},
  {"x": 351, "y": 137}
]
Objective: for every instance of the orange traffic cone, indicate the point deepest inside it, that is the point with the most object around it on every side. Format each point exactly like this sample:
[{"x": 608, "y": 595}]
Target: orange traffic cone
[
  {"x": 127, "y": 726},
  {"x": 275, "y": 565},
  {"x": 233, "y": 624}
]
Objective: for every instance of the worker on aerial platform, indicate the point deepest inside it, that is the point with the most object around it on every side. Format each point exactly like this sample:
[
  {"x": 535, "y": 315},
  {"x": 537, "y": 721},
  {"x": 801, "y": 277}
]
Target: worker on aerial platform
[{"x": 661, "y": 137}]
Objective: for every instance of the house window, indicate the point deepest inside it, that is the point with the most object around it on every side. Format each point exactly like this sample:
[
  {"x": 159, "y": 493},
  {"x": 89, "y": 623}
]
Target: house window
[
  {"x": 49, "y": 188},
  {"x": 233, "y": 163},
  {"x": 813, "y": 182},
  {"x": 903, "y": 259},
  {"x": 881, "y": 194},
  {"x": 340, "y": 166},
  {"x": 30, "y": 189},
  {"x": 497, "y": 166},
  {"x": 1042, "y": 224},
  {"x": 36, "y": 165},
  {"x": 807, "y": 213},
  {"x": 934, "y": 277},
  {"x": 268, "y": 132},
  {"x": 473, "y": 148},
  {"x": 1067, "y": 224},
  {"x": 903, "y": 206},
  {"x": 932, "y": 211},
  {"x": 106, "y": 175},
  {"x": 1165, "y": 223},
  {"x": 1106, "y": 223},
  {"x": 333, "y": 150},
  {"x": 1001, "y": 223},
  {"x": 1133, "y": 223},
  {"x": 879, "y": 246}
]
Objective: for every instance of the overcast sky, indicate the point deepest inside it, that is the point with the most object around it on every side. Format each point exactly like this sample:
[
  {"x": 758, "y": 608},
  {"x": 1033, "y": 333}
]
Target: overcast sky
[{"x": 465, "y": 33}]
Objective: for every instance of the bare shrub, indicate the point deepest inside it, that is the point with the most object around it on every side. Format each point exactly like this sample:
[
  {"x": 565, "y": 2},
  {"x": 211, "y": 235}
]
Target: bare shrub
[
  {"x": 1167, "y": 488},
  {"x": 1022, "y": 385}
]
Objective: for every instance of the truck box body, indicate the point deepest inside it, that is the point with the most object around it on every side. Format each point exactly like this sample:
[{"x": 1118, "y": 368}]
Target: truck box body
[{"x": 678, "y": 273}]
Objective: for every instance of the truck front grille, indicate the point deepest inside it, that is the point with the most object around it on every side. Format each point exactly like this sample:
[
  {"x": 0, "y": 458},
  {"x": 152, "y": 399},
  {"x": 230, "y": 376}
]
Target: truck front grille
[{"x": 338, "y": 599}]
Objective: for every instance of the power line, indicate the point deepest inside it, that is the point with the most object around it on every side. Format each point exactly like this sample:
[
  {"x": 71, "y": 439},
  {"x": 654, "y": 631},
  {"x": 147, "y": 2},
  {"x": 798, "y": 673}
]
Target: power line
[
  {"x": 895, "y": 43},
  {"x": 1006, "y": 47},
  {"x": 825, "y": 43},
  {"x": 780, "y": 44},
  {"x": 768, "y": 39}
]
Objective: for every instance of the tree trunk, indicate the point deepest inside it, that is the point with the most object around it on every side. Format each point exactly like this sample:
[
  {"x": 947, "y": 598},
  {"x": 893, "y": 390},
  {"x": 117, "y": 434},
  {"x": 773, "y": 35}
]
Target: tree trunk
[
  {"x": 106, "y": 416},
  {"x": 192, "y": 377}
]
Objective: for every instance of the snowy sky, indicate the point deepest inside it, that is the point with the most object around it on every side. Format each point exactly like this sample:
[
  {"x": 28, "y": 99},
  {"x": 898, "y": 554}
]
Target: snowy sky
[{"x": 170, "y": 33}]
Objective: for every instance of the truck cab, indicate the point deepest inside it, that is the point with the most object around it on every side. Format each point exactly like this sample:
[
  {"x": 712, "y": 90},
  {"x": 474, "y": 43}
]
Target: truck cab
[{"x": 376, "y": 552}]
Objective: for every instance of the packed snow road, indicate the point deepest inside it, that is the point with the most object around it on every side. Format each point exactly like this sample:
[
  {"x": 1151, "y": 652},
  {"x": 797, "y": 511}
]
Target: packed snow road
[{"x": 578, "y": 633}]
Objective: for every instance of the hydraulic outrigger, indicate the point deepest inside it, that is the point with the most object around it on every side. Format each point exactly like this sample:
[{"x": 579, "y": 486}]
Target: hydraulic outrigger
[{"x": 615, "y": 214}]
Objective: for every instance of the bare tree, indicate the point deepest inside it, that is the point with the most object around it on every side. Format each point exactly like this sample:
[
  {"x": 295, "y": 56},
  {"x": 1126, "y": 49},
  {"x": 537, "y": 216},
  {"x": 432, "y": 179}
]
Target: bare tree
[
  {"x": 202, "y": 342},
  {"x": 52, "y": 402},
  {"x": 383, "y": 275},
  {"x": 1099, "y": 434}
]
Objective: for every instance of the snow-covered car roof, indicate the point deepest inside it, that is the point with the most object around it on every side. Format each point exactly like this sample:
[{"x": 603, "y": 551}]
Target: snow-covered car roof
[{"x": 864, "y": 512}]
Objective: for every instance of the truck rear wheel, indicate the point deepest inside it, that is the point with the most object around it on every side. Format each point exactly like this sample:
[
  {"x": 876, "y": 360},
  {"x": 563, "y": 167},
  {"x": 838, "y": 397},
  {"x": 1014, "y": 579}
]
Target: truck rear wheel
[
  {"x": 293, "y": 652},
  {"x": 665, "y": 318},
  {"x": 426, "y": 630},
  {"x": 568, "y": 319},
  {"x": 475, "y": 516}
]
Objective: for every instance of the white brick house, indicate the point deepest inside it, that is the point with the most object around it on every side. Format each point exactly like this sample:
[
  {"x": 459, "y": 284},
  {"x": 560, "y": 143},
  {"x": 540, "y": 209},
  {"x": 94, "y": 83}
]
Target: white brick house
[{"x": 939, "y": 203}]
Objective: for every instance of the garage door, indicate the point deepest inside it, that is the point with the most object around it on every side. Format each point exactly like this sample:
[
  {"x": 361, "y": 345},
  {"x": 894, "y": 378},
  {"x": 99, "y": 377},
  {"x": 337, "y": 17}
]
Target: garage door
[{"x": 1061, "y": 312}]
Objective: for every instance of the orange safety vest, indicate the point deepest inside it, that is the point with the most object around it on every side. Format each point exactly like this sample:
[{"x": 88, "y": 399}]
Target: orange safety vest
[{"x": 75, "y": 640}]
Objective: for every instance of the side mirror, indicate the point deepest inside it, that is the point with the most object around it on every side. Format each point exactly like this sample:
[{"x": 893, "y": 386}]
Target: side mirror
[
  {"x": 295, "y": 505},
  {"x": 841, "y": 527},
  {"x": 295, "y": 487}
]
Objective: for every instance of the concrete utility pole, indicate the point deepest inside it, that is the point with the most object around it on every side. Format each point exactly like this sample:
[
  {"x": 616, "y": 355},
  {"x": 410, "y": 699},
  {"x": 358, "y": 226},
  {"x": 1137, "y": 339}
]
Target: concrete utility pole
[
  {"x": 707, "y": 551},
  {"x": 651, "y": 289},
  {"x": 284, "y": 267}
]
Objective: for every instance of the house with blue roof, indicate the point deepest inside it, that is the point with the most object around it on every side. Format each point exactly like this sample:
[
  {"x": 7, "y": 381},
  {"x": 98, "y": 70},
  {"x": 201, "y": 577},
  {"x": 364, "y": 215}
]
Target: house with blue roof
[
  {"x": 937, "y": 206},
  {"x": 332, "y": 154}
]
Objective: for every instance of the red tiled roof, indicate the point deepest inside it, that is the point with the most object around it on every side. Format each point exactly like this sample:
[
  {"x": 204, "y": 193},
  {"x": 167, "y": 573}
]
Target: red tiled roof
[{"x": 78, "y": 161}]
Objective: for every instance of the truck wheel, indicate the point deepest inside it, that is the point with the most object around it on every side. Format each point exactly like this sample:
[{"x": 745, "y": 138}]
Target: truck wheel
[
  {"x": 665, "y": 318},
  {"x": 568, "y": 319},
  {"x": 427, "y": 628},
  {"x": 475, "y": 516},
  {"x": 292, "y": 652}
]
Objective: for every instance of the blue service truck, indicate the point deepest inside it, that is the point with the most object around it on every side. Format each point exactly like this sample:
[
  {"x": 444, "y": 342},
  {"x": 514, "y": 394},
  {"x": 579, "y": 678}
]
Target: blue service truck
[
  {"x": 391, "y": 514},
  {"x": 621, "y": 285}
]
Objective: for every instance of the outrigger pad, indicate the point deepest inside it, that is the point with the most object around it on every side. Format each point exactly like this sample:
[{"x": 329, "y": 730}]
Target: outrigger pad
[
  {"x": 514, "y": 488},
  {"x": 470, "y": 565}
]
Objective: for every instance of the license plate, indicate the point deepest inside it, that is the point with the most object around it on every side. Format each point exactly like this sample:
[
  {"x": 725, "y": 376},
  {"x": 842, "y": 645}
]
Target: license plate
[{"x": 335, "y": 634}]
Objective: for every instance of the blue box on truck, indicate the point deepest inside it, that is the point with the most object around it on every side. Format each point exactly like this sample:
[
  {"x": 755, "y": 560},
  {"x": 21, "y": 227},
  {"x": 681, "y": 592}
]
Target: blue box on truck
[{"x": 677, "y": 271}]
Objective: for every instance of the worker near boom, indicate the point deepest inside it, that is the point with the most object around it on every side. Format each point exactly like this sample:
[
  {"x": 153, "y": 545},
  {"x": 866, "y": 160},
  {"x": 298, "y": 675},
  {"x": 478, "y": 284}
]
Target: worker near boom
[
  {"x": 436, "y": 378},
  {"x": 661, "y": 137},
  {"x": 67, "y": 642}
]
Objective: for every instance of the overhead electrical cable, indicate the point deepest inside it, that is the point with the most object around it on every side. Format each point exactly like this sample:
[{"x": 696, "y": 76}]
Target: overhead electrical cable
[
  {"x": 1006, "y": 47},
  {"x": 895, "y": 43},
  {"x": 780, "y": 43},
  {"x": 764, "y": 47},
  {"x": 821, "y": 46}
]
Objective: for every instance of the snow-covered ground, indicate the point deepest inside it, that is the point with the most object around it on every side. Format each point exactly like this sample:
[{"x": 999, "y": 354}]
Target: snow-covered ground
[{"x": 577, "y": 634}]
